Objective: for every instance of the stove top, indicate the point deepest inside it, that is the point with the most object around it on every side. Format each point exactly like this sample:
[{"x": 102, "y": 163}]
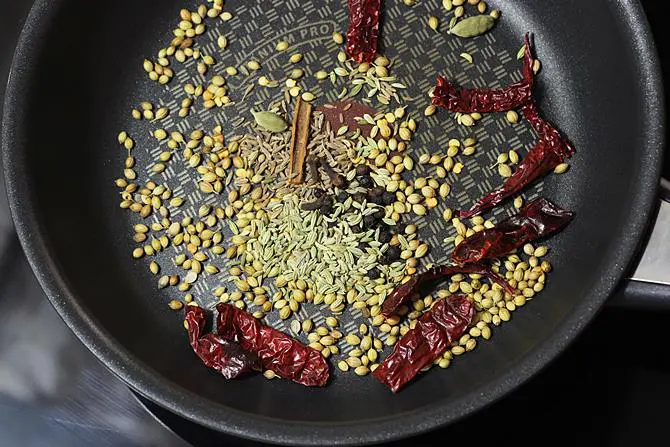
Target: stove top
[{"x": 609, "y": 388}]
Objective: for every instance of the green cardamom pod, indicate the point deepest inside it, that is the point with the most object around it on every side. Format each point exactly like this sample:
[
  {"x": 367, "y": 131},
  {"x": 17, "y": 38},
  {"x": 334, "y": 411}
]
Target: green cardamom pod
[
  {"x": 270, "y": 121},
  {"x": 473, "y": 26}
]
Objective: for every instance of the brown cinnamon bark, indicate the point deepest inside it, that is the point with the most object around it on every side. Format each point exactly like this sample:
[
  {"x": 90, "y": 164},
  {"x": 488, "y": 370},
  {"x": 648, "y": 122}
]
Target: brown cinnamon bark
[{"x": 302, "y": 122}]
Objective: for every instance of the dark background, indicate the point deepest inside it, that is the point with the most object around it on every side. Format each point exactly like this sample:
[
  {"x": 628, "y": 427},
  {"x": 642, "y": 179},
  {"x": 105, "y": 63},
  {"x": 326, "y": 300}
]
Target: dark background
[{"x": 610, "y": 388}]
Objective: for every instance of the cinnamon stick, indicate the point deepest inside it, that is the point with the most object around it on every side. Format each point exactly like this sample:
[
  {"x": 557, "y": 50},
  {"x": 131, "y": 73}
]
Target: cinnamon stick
[{"x": 302, "y": 122}]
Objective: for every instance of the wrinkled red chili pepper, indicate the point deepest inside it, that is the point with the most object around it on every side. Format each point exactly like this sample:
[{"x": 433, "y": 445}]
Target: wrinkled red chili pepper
[
  {"x": 283, "y": 354},
  {"x": 227, "y": 358},
  {"x": 549, "y": 152},
  {"x": 484, "y": 100},
  {"x": 435, "y": 330},
  {"x": 404, "y": 292},
  {"x": 363, "y": 31},
  {"x": 536, "y": 220},
  {"x": 547, "y": 132},
  {"x": 540, "y": 160}
]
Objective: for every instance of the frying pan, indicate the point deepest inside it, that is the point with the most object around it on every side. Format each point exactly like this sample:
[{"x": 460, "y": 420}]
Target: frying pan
[{"x": 77, "y": 72}]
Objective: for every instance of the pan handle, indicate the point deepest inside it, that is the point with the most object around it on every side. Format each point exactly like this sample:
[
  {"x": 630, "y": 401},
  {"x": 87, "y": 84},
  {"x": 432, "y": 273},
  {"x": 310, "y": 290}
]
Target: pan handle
[{"x": 648, "y": 286}]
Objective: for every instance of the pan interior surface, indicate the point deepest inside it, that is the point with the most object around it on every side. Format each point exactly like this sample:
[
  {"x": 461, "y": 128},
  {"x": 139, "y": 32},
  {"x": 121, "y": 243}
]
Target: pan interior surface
[{"x": 78, "y": 73}]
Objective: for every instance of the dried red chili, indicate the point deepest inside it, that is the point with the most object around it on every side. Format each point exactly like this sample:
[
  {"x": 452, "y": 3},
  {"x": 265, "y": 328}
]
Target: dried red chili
[
  {"x": 363, "y": 31},
  {"x": 484, "y": 100},
  {"x": 227, "y": 358},
  {"x": 549, "y": 152},
  {"x": 547, "y": 132},
  {"x": 405, "y": 291},
  {"x": 536, "y": 220},
  {"x": 435, "y": 330},
  {"x": 540, "y": 160},
  {"x": 283, "y": 354}
]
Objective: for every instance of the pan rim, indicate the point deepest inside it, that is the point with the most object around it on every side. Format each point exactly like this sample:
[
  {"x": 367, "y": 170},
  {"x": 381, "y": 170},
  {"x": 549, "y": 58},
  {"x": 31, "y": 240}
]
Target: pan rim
[{"x": 259, "y": 428}]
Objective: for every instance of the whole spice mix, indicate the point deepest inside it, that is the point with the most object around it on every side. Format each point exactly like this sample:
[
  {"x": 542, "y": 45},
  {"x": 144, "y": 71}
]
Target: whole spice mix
[{"x": 331, "y": 213}]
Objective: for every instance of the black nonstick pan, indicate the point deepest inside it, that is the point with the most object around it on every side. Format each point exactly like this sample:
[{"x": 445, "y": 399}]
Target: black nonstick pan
[{"x": 76, "y": 73}]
